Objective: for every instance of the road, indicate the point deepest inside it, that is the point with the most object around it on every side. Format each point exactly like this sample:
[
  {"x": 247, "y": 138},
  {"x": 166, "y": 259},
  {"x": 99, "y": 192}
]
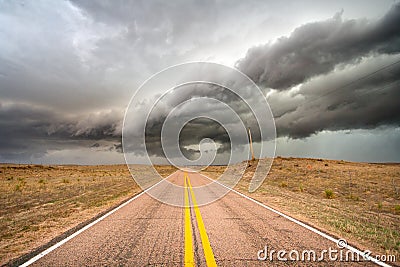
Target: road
[{"x": 232, "y": 231}]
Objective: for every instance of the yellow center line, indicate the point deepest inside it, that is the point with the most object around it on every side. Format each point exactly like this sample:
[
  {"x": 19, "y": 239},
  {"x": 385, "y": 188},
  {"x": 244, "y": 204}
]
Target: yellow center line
[
  {"x": 208, "y": 253},
  {"x": 189, "y": 254}
]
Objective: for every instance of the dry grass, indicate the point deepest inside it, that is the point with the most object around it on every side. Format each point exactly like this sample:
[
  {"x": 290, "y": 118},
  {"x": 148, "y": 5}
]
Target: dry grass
[
  {"x": 356, "y": 201},
  {"x": 38, "y": 203}
]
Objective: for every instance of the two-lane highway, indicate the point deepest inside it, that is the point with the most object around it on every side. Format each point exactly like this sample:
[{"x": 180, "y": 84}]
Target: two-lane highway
[{"x": 232, "y": 231}]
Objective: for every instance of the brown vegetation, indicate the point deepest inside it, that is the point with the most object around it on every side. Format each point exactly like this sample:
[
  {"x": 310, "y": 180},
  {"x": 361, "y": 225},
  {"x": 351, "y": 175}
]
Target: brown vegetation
[
  {"x": 356, "y": 201},
  {"x": 38, "y": 203}
]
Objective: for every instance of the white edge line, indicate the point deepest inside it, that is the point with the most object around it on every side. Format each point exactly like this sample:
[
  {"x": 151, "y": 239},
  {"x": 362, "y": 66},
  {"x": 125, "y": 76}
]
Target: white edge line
[
  {"x": 65, "y": 240},
  {"x": 359, "y": 252}
]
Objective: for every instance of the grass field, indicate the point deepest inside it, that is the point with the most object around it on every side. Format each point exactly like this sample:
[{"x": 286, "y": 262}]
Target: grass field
[
  {"x": 356, "y": 201},
  {"x": 38, "y": 203}
]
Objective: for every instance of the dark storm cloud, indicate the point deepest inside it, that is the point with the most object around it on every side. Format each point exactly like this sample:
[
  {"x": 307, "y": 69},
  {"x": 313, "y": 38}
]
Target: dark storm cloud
[
  {"x": 28, "y": 130},
  {"x": 68, "y": 69},
  {"x": 316, "y": 48},
  {"x": 198, "y": 129},
  {"x": 83, "y": 57},
  {"x": 323, "y": 76},
  {"x": 338, "y": 102}
]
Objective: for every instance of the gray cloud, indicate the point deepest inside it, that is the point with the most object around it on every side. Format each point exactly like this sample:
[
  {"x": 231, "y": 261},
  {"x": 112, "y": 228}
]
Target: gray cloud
[
  {"x": 316, "y": 48},
  {"x": 67, "y": 70},
  {"x": 200, "y": 128},
  {"x": 32, "y": 131},
  {"x": 326, "y": 103}
]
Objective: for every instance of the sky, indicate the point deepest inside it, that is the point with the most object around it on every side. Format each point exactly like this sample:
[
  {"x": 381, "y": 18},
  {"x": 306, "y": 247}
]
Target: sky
[{"x": 329, "y": 70}]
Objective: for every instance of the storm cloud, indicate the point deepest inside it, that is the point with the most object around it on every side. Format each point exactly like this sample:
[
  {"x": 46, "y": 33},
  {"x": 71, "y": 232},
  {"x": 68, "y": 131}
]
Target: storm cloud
[
  {"x": 29, "y": 131},
  {"x": 331, "y": 75},
  {"x": 69, "y": 68},
  {"x": 336, "y": 101},
  {"x": 316, "y": 48}
]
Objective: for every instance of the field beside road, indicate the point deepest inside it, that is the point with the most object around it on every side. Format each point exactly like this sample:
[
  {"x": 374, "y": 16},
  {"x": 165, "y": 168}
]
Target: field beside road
[
  {"x": 38, "y": 203},
  {"x": 356, "y": 201}
]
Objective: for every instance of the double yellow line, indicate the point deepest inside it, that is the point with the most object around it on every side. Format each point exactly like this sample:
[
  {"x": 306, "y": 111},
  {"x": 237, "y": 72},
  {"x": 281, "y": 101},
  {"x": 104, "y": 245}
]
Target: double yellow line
[{"x": 189, "y": 253}]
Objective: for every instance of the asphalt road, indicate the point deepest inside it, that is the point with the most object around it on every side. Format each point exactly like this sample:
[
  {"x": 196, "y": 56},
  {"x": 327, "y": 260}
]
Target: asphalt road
[{"x": 232, "y": 231}]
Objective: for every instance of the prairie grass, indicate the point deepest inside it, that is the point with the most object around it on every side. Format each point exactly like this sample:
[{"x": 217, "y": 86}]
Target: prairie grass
[{"x": 38, "y": 203}]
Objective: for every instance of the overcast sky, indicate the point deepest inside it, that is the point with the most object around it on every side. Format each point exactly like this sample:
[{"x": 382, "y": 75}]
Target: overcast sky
[{"x": 329, "y": 69}]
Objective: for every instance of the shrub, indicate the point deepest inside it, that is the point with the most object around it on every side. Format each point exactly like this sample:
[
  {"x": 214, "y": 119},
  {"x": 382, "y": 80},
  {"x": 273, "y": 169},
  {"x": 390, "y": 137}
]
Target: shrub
[{"x": 329, "y": 193}]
